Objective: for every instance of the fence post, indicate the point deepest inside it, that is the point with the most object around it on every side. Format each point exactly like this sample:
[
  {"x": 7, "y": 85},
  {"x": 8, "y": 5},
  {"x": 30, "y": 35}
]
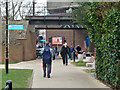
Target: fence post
[{"x": 8, "y": 85}]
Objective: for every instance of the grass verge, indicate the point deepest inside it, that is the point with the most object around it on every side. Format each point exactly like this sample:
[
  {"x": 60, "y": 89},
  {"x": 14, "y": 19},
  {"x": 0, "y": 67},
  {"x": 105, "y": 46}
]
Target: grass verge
[
  {"x": 20, "y": 77},
  {"x": 79, "y": 63},
  {"x": 90, "y": 70},
  {"x": 10, "y": 62}
]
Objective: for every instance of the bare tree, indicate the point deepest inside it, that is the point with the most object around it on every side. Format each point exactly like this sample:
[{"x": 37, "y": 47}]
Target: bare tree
[
  {"x": 16, "y": 9},
  {"x": 19, "y": 9}
]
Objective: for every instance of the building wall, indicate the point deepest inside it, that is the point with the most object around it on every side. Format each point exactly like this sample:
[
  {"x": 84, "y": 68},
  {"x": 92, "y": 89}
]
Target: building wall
[
  {"x": 68, "y": 34},
  {"x": 80, "y": 38},
  {"x": 29, "y": 45},
  {"x": 25, "y": 48},
  {"x": 15, "y": 53}
]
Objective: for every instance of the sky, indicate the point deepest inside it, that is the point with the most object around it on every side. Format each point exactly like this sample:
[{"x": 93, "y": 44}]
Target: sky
[
  {"x": 38, "y": 4},
  {"x": 39, "y": 1},
  {"x": 42, "y": 1}
]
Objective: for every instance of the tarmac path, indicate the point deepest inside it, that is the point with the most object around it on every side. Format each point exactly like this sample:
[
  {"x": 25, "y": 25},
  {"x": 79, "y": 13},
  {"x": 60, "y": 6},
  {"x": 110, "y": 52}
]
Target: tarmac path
[{"x": 62, "y": 76}]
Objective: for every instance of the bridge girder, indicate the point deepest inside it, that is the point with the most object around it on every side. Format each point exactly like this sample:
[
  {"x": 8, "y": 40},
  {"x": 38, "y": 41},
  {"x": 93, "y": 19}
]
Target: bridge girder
[{"x": 53, "y": 22}]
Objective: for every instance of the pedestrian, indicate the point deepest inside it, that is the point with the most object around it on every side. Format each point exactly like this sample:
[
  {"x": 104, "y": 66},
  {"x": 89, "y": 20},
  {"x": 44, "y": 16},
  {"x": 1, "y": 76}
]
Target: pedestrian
[
  {"x": 64, "y": 52},
  {"x": 79, "y": 53},
  {"x": 78, "y": 48},
  {"x": 47, "y": 53},
  {"x": 71, "y": 51},
  {"x": 54, "y": 53}
]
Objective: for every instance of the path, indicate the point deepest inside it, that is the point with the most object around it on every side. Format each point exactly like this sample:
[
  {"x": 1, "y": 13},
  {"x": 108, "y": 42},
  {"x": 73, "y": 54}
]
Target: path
[{"x": 62, "y": 76}]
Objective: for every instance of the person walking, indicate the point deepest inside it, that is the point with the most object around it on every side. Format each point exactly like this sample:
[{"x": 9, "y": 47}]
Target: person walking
[
  {"x": 78, "y": 48},
  {"x": 80, "y": 53},
  {"x": 71, "y": 51},
  {"x": 64, "y": 52},
  {"x": 47, "y": 53},
  {"x": 54, "y": 49}
]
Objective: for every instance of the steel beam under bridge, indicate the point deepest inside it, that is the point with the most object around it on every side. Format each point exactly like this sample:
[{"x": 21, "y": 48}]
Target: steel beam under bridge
[{"x": 53, "y": 22}]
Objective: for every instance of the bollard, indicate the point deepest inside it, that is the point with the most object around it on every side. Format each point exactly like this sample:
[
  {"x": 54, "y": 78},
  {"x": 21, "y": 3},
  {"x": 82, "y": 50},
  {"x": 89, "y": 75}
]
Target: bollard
[
  {"x": 80, "y": 55},
  {"x": 8, "y": 85}
]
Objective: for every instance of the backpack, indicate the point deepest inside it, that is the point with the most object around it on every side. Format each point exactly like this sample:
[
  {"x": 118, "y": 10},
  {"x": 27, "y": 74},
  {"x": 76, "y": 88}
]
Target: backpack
[{"x": 47, "y": 55}]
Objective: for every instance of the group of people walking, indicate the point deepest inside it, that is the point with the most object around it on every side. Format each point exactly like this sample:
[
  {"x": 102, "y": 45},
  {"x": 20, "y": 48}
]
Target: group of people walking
[{"x": 48, "y": 55}]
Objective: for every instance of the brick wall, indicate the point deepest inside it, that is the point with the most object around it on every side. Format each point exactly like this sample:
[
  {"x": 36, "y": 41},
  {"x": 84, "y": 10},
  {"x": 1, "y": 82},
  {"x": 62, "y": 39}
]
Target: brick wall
[
  {"x": 30, "y": 47},
  {"x": 15, "y": 53},
  {"x": 25, "y": 50},
  {"x": 68, "y": 34},
  {"x": 80, "y": 38}
]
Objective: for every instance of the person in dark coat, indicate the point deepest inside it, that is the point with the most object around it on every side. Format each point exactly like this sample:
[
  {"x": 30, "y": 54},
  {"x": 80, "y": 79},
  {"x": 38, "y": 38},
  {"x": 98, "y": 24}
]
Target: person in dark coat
[
  {"x": 47, "y": 52},
  {"x": 78, "y": 48},
  {"x": 64, "y": 52}
]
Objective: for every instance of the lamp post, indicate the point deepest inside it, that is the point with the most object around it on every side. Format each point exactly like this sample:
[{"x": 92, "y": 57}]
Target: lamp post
[
  {"x": 6, "y": 36},
  {"x": 74, "y": 44},
  {"x": 57, "y": 42},
  {"x": 33, "y": 7}
]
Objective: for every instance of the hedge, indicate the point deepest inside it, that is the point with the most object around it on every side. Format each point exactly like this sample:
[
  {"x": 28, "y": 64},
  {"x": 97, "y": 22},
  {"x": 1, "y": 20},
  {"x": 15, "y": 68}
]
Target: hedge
[{"x": 105, "y": 33}]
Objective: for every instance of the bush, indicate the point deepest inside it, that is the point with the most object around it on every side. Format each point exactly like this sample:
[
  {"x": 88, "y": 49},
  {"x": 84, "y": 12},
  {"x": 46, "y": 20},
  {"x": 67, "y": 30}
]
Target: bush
[
  {"x": 102, "y": 20},
  {"x": 106, "y": 37}
]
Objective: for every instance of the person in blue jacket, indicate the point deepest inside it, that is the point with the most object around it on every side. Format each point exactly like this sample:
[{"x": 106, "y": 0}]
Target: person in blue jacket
[
  {"x": 47, "y": 53},
  {"x": 71, "y": 51}
]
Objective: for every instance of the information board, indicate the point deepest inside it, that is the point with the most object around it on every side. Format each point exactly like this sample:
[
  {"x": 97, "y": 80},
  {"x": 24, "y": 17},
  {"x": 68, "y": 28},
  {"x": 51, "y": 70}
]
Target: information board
[{"x": 57, "y": 41}]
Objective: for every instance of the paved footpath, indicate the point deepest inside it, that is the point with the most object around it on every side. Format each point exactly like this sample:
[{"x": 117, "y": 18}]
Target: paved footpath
[{"x": 62, "y": 76}]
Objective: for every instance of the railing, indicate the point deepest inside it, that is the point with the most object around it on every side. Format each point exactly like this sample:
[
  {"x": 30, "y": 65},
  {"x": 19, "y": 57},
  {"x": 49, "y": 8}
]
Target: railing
[{"x": 8, "y": 85}]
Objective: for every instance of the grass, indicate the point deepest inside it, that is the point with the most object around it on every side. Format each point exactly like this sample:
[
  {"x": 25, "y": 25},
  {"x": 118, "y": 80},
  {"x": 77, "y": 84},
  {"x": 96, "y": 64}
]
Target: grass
[
  {"x": 80, "y": 63},
  {"x": 10, "y": 62},
  {"x": 90, "y": 70},
  {"x": 20, "y": 77}
]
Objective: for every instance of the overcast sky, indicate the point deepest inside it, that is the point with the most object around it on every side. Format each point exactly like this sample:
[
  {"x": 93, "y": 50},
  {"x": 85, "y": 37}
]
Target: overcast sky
[{"x": 39, "y": 1}]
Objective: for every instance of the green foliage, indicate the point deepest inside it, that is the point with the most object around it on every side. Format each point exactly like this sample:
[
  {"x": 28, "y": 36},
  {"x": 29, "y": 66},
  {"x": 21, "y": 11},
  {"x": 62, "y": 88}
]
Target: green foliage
[
  {"x": 106, "y": 39},
  {"x": 80, "y": 15},
  {"x": 104, "y": 31}
]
